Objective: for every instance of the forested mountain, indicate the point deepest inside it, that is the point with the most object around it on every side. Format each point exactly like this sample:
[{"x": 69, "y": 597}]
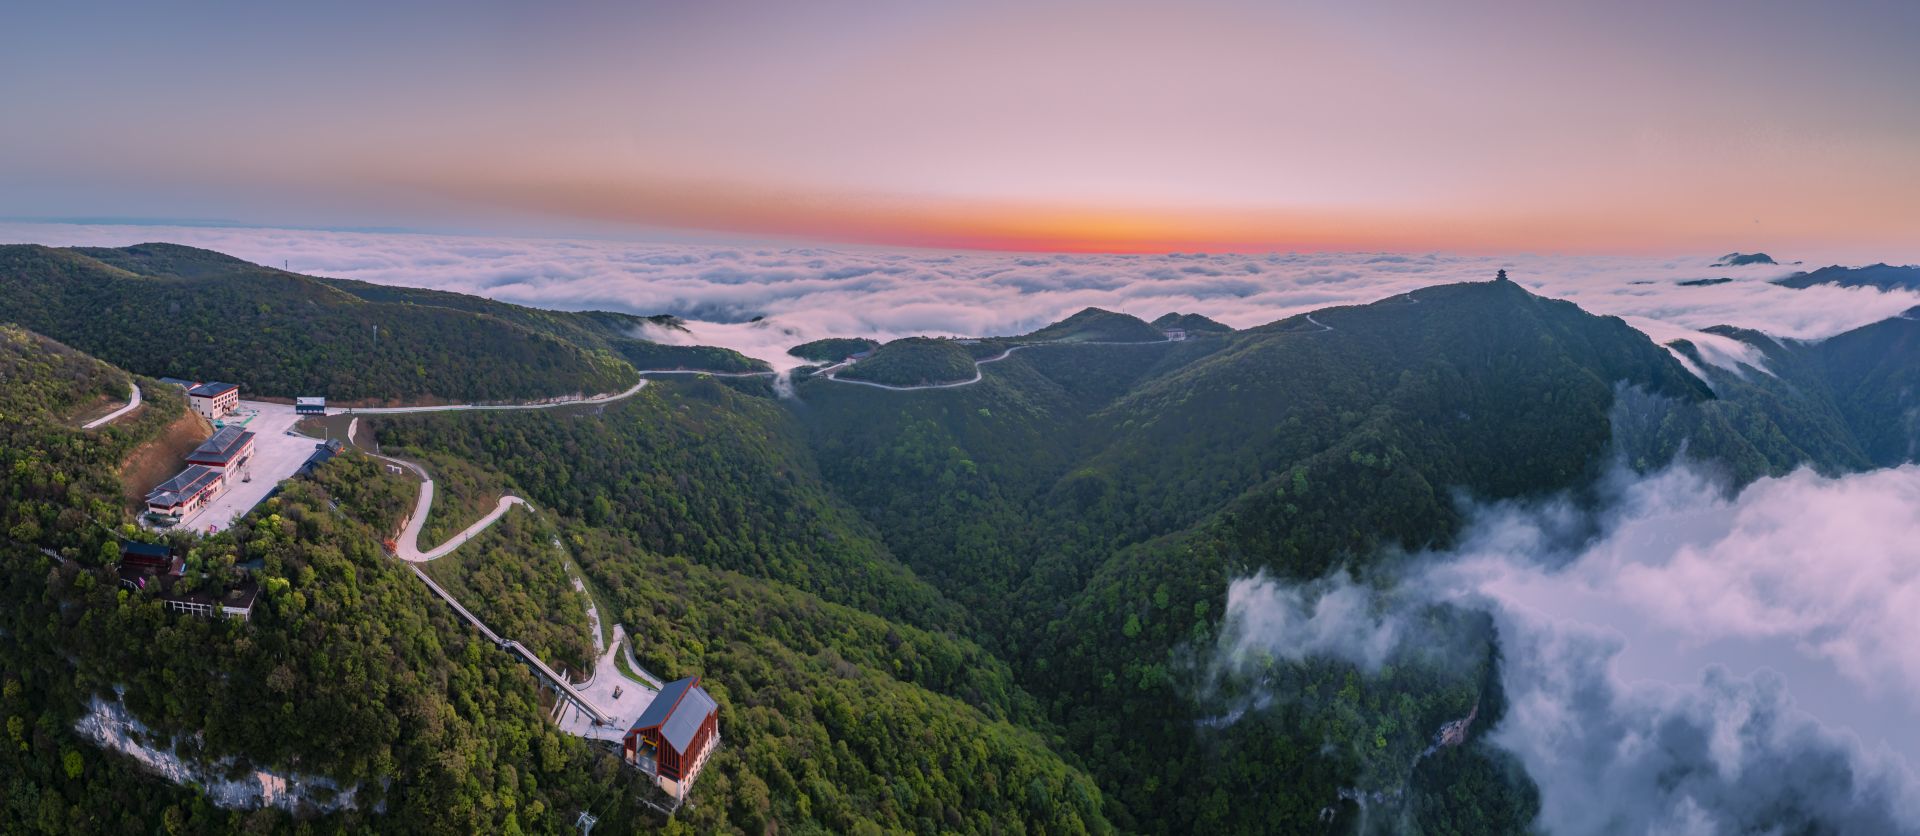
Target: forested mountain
[
  {"x": 1849, "y": 401},
  {"x": 1103, "y": 524},
  {"x": 623, "y": 335},
  {"x": 914, "y": 361},
  {"x": 1193, "y": 323},
  {"x": 986, "y": 608},
  {"x": 1096, "y": 325},
  {"x": 832, "y": 349},
  {"x": 1882, "y": 276},
  {"x": 284, "y": 334},
  {"x": 345, "y": 669}
]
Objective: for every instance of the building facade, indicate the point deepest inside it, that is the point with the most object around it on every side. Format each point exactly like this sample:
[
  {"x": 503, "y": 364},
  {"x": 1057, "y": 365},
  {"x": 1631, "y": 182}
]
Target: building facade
[
  {"x": 229, "y": 447},
  {"x": 187, "y": 491},
  {"x": 214, "y": 400},
  {"x": 674, "y": 736}
]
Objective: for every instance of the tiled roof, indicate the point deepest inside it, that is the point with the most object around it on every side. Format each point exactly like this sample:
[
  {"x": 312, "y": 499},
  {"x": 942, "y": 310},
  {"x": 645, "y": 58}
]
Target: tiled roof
[
  {"x": 223, "y": 446},
  {"x": 183, "y": 486}
]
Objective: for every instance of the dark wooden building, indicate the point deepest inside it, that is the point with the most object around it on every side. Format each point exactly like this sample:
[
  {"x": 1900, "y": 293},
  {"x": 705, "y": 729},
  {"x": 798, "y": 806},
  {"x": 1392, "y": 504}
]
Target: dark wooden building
[{"x": 673, "y": 737}]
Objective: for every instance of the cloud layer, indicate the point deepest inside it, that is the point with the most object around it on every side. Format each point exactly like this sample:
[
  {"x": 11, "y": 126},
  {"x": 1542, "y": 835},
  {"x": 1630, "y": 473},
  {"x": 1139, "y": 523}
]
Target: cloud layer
[
  {"x": 1710, "y": 664},
  {"x": 1679, "y": 661},
  {"x": 816, "y": 292}
]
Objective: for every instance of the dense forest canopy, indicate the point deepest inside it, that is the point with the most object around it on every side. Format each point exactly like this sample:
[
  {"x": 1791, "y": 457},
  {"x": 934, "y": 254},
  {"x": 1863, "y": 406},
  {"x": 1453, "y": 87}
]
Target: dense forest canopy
[
  {"x": 1096, "y": 325},
  {"x": 914, "y": 361},
  {"x": 832, "y": 349},
  {"x": 986, "y": 608}
]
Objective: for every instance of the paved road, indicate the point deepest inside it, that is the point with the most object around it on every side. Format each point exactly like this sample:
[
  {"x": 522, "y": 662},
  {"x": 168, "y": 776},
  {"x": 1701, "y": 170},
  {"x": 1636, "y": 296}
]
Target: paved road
[
  {"x": 132, "y": 404},
  {"x": 1323, "y": 326},
  {"x": 470, "y": 407},
  {"x": 710, "y": 374},
  {"x": 833, "y": 372},
  {"x": 407, "y": 547}
]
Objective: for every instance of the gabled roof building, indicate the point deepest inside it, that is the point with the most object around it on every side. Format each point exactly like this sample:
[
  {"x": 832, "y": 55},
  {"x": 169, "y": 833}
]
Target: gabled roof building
[
  {"x": 214, "y": 400},
  {"x": 230, "y": 446},
  {"x": 186, "y": 491},
  {"x": 673, "y": 737}
]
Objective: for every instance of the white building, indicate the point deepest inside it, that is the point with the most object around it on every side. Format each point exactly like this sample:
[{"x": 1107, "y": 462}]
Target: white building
[{"x": 214, "y": 400}]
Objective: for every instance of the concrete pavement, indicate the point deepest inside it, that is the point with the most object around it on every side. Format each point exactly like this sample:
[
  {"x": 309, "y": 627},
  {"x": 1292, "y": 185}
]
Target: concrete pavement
[{"x": 133, "y": 403}]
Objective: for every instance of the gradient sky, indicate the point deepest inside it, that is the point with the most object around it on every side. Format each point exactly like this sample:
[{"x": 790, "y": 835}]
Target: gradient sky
[{"x": 1477, "y": 126}]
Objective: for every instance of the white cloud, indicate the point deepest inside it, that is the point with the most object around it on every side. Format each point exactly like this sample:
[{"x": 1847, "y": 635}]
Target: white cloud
[
  {"x": 1676, "y": 660},
  {"x": 816, "y": 292},
  {"x": 1709, "y": 663}
]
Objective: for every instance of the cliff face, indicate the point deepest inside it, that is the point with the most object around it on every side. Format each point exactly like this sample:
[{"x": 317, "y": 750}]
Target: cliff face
[{"x": 109, "y": 724}]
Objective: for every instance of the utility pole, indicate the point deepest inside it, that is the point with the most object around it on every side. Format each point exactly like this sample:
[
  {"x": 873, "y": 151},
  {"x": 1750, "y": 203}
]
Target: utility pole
[{"x": 586, "y": 822}]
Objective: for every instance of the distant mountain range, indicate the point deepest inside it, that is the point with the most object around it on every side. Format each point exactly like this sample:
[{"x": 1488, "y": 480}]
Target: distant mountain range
[{"x": 1882, "y": 276}]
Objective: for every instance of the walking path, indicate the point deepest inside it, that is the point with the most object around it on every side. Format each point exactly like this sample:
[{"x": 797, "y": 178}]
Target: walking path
[{"x": 133, "y": 403}]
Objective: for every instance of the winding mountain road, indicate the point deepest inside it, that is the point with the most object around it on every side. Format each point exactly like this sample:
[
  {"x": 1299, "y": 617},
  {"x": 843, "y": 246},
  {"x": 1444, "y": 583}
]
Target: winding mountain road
[
  {"x": 833, "y": 372},
  {"x": 407, "y": 546},
  {"x": 476, "y": 407},
  {"x": 133, "y": 403}
]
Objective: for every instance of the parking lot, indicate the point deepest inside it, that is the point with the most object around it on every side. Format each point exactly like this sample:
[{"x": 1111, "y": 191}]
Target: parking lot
[{"x": 276, "y": 455}]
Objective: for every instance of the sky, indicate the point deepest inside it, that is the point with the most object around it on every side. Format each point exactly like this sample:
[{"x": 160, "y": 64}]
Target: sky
[{"x": 1479, "y": 127}]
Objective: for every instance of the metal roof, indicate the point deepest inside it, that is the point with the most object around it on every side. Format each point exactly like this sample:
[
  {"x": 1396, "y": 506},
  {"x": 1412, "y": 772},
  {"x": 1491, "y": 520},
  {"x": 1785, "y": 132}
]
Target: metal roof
[
  {"x": 223, "y": 446},
  {"x": 208, "y": 390},
  {"x": 309, "y": 401},
  {"x": 134, "y": 547},
  {"x": 182, "y": 486},
  {"x": 678, "y": 710}
]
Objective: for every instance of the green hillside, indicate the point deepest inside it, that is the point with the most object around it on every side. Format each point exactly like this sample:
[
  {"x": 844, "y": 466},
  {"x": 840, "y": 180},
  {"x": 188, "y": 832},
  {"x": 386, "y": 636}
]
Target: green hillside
[
  {"x": 1847, "y": 402},
  {"x": 622, "y": 335},
  {"x": 914, "y": 361},
  {"x": 189, "y": 314},
  {"x": 986, "y": 608},
  {"x": 1102, "y": 524},
  {"x": 1096, "y": 325},
  {"x": 832, "y": 349},
  {"x": 1193, "y": 323}
]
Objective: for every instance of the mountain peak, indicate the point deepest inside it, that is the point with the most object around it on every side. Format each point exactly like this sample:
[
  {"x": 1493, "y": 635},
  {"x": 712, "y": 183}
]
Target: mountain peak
[
  {"x": 1098, "y": 325},
  {"x": 1743, "y": 259}
]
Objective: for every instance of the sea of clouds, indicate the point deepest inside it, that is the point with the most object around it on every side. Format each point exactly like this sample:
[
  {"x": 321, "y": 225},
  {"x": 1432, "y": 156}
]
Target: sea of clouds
[{"x": 811, "y": 292}]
